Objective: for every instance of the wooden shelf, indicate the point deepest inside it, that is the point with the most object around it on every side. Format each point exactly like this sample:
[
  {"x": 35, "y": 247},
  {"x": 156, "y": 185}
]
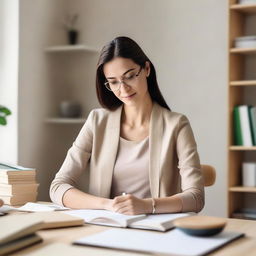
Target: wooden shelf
[
  {"x": 242, "y": 148},
  {"x": 238, "y": 90},
  {"x": 71, "y": 48},
  {"x": 244, "y": 8},
  {"x": 243, "y": 189},
  {"x": 243, "y": 50},
  {"x": 243, "y": 83},
  {"x": 59, "y": 120}
]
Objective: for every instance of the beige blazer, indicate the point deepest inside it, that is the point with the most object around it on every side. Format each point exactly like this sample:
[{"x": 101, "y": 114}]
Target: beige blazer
[{"x": 174, "y": 162}]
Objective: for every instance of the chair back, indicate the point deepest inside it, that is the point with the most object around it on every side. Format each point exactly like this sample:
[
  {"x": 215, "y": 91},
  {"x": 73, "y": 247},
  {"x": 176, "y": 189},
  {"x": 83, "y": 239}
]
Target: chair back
[{"x": 209, "y": 174}]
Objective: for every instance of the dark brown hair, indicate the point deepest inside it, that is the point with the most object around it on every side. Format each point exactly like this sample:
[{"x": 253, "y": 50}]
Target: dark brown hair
[{"x": 126, "y": 48}]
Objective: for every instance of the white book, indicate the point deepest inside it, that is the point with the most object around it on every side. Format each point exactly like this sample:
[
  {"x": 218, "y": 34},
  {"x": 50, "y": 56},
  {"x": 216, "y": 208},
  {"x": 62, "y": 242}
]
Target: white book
[
  {"x": 245, "y": 125},
  {"x": 173, "y": 242},
  {"x": 249, "y": 174},
  {"x": 160, "y": 222}
]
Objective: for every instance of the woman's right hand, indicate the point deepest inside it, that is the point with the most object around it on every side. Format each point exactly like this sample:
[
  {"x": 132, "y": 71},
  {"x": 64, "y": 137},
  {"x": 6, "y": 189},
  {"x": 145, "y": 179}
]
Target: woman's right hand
[{"x": 1, "y": 202}]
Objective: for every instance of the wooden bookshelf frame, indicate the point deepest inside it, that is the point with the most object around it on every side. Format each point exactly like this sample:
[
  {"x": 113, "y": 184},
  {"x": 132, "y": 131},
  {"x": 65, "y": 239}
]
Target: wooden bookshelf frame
[{"x": 237, "y": 14}]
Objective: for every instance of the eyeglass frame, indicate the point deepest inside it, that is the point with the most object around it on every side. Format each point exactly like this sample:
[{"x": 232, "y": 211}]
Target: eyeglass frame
[{"x": 122, "y": 82}]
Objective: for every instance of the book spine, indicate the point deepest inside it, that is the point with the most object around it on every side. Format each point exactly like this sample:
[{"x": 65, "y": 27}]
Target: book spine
[
  {"x": 245, "y": 125},
  {"x": 253, "y": 123},
  {"x": 237, "y": 128}
]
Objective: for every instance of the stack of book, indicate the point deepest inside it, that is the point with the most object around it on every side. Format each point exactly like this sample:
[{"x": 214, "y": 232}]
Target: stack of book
[
  {"x": 245, "y": 125},
  {"x": 17, "y": 184},
  {"x": 18, "y": 231}
]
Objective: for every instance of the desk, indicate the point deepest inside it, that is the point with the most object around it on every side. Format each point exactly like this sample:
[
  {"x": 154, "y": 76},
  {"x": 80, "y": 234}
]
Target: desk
[{"x": 244, "y": 246}]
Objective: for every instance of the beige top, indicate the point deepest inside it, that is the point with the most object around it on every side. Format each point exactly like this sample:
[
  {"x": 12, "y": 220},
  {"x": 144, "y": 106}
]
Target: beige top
[
  {"x": 174, "y": 166},
  {"x": 131, "y": 171}
]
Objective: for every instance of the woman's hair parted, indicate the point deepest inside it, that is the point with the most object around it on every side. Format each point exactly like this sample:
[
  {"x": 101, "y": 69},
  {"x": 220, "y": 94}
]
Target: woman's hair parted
[{"x": 126, "y": 48}]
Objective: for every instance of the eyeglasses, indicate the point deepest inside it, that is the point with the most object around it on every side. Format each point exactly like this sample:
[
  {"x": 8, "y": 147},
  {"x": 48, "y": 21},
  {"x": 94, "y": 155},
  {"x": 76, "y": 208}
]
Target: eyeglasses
[{"x": 128, "y": 79}]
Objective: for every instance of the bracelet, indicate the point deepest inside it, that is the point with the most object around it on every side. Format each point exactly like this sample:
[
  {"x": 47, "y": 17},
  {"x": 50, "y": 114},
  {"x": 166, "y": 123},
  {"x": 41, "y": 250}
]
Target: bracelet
[{"x": 153, "y": 205}]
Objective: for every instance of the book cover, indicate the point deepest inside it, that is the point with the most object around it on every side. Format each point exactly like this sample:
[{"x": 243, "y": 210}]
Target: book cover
[
  {"x": 15, "y": 169},
  {"x": 253, "y": 123},
  {"x": 19, "y": 243},
  {"x": 17, "y": 226},
  {"x": 245, "y": 125},
  {"x": 237, "y": 127}
]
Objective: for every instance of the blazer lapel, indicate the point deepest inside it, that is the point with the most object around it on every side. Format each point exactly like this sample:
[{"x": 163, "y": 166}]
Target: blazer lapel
[
  {"x": 111, "y": 143},
  {"x": 155, "y": 145}
]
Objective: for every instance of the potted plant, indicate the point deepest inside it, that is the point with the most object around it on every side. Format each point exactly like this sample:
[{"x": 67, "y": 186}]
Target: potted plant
[
  {"x": 4, "y": 112},
  {"x": 70, "y": 25}
]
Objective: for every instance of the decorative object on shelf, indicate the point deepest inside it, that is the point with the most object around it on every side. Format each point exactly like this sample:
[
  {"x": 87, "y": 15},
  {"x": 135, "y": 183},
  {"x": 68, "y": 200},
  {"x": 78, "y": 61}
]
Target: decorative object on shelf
[
  {"x": 4, "y": 112},
  {"x": 70, "y": 109},
  {"x": 245, "y": 42},
  {"x": 70, "y": 25},
  {"x": 249, "y": 174},
  {"x": 247, "y": 1}
]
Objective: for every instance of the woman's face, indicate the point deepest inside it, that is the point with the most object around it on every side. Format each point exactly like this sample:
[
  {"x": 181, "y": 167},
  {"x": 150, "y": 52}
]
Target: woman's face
[{"x": 127, "y": 80}]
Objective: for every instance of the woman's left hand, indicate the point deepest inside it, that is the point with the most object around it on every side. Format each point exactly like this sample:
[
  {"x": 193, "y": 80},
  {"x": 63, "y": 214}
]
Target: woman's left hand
[{"x": 131, "y": 205}]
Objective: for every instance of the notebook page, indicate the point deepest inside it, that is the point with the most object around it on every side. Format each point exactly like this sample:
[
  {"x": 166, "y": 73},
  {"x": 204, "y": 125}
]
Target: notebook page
[
  {"x": 156, "y": 220},
  {"x": 102, "y": 217}
]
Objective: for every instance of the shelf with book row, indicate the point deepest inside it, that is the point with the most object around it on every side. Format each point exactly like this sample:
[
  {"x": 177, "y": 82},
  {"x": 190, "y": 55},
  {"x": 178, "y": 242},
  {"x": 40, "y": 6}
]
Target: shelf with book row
[{"x": 241, "y": 87}]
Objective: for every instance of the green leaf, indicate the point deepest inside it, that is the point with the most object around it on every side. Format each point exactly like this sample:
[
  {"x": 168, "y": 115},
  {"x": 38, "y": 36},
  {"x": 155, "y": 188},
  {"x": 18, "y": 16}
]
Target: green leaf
[
  {"x": 5, "y": 110},
  {"x": 3, "y": 120}
]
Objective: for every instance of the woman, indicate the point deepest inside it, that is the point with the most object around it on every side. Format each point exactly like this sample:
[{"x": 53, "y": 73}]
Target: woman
[{"x": 143, "y": 157}]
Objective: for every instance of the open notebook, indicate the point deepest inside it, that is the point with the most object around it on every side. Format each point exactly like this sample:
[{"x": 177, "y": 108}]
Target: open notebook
[{"x": 160, "y": 222}]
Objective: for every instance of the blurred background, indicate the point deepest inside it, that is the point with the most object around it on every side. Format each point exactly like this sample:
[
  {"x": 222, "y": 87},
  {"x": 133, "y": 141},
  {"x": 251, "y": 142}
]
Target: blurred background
[{"x": 40, "y": 70}]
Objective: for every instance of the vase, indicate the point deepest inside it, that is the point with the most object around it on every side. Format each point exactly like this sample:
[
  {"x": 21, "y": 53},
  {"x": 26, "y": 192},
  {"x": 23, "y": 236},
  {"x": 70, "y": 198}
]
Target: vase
[
  {"x": 72, "y": 36},
  {"x": 70, "y": 109}
]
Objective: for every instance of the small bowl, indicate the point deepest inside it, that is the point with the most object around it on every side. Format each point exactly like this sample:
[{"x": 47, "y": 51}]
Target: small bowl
[{"x": 200, "y": 225}]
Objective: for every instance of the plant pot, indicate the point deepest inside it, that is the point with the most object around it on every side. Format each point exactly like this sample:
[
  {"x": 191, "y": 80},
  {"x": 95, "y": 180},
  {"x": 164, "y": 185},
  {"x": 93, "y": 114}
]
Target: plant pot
[{"x": 72, "y": 36}]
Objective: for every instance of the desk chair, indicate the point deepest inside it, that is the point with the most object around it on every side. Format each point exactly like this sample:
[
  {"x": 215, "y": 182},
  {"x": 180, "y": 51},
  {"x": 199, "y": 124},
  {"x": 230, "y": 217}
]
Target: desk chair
[{"x": 209, "y": 174}]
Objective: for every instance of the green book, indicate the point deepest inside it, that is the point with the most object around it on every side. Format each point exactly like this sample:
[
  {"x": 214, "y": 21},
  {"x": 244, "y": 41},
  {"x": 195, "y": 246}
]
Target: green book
[
  {"x": 252, "y": 114},
  {"x": 237, "y": 127}
]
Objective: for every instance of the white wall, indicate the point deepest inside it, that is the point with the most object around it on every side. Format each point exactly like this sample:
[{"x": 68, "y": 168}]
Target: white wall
[
  {"x": 9, "y": 28},
  {"x": 187, "y": 42},
  {"x": 40, "y": 26}
]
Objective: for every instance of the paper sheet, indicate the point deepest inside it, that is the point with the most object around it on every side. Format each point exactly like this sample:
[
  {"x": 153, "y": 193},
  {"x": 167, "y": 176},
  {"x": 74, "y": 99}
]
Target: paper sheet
[{"x": 172, "y": 242}]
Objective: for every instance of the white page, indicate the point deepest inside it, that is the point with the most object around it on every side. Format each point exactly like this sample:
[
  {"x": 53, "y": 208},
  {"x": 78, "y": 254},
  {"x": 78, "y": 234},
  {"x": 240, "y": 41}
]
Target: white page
[
  {"x": 36, "y": 207},
  {"x": 102, "y": 217},
  {"x": 157, "y": 219},
  {"x": 172, "y": 242}
]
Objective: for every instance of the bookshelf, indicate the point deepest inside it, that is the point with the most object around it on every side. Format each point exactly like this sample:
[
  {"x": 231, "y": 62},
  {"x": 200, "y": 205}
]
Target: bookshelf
[
  {"x": 238, "y": 86},
  {"x": 62, "y": 51}
]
